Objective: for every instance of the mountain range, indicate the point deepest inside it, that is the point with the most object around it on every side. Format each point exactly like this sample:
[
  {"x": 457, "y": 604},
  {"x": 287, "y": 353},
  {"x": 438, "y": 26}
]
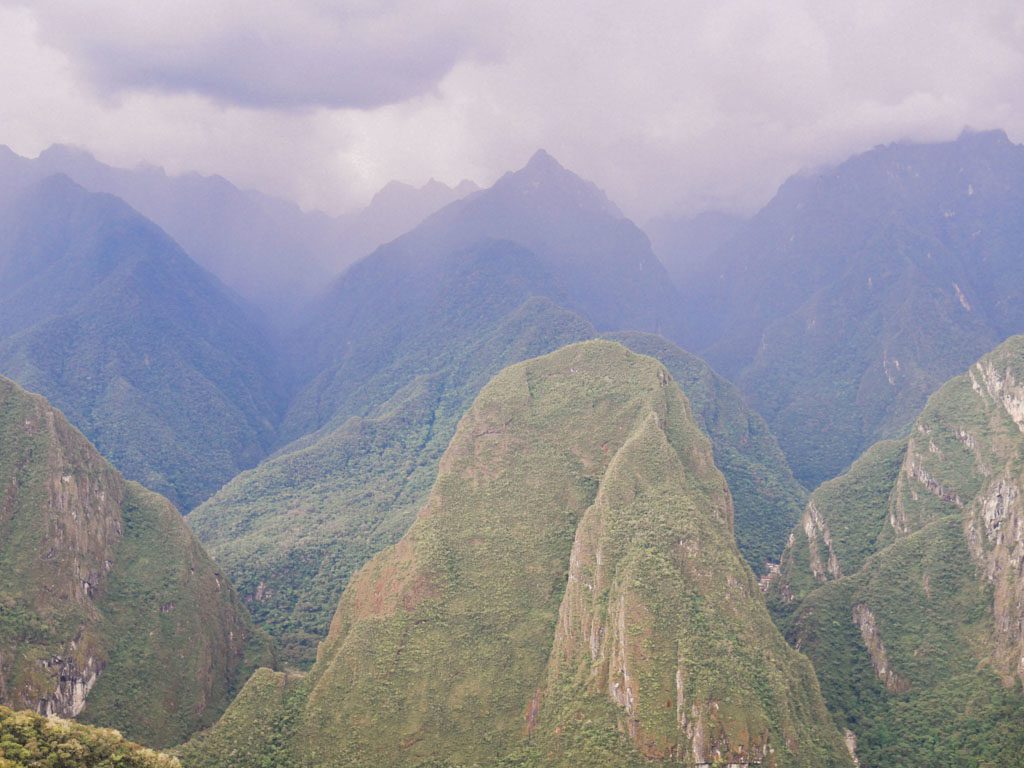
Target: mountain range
[
  {"x": 406, "y": 339},
  {"x": 265, "y": 249},
  {"x": 148, "y": 354},
  {"x": 491, "y": 477}
]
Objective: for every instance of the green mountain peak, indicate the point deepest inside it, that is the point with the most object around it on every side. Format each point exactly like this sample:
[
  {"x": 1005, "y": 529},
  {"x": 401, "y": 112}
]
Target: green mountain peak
[{"x": 570, "y": 593}]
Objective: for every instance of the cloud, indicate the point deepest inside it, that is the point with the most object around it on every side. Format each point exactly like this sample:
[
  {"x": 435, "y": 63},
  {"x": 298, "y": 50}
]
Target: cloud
[
  {"x": 667, "y": 104},
  {"x": 265, "y": 53}
]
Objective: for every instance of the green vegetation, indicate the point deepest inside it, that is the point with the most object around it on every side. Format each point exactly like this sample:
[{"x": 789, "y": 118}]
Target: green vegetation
[
  {"x": 258, "y": 729},
  {"x": 934, "y": 617},
  {"x": 28, "y": 740},
  {"x": 146, "y": 353},
  {"x": 848, "y": 520},
  {"x": 403, "y": 343},
  {"x": 290, "y": 532},
  {"x": 570, "y": 593},
  {"x": 199, "y": 644},
  {"x": 917, "y": 638},
  {"x": 108, "y": 601},
  {"x": 767, "y": 498}
]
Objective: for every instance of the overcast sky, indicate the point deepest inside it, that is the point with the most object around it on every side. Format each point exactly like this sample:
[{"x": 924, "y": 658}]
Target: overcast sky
[{"x": 667, "y": 105}]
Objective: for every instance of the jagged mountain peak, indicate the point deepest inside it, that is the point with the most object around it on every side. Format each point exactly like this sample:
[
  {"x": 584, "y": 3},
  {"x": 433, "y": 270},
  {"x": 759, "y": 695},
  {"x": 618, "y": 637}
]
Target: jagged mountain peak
[
  {"x": 994, "y": 136},
  {"x": 542, "y": 159},
  {"x": 396, "y": 195},
  {"x": 61, "y": 152},
  {"x": 545, "y": 182}
]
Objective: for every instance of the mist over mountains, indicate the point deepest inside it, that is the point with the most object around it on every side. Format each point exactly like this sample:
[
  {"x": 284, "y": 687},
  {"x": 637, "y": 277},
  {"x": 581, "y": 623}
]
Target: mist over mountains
[
  {"x": 495, "y": 477},
  {"x": 266, "y": 249},
  {"x": 147, "y": 352}
]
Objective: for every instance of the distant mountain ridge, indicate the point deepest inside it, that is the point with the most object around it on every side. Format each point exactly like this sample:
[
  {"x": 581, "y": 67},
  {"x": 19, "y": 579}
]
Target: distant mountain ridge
[
  {"x": 594, "y": 262},
  {"x": 146, "y": 352},
  {"x": 859, "y": 289},
  {"x": 264, "y": 248},
  {"x": 400, "y": 348}
]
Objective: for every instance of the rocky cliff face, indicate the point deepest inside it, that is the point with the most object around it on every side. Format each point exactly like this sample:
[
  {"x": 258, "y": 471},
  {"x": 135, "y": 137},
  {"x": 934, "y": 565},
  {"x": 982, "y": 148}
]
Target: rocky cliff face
[
  {"x": 767, "y": 499},
  {"x": 930, "y": 566},
  {"x": 995, "y": 521},
  {"x": 570, "y": 594},
  {"x": 100, "y": 578},
  {"x": 65, "y": 502}
]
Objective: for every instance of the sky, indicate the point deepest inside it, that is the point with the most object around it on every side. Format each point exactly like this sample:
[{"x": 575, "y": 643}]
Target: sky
[{"x": 670, "y": 106}]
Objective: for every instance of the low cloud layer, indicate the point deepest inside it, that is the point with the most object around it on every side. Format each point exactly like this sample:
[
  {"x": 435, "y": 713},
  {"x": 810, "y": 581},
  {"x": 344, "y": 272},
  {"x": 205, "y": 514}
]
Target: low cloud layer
[{"x": 670, "y": 105}]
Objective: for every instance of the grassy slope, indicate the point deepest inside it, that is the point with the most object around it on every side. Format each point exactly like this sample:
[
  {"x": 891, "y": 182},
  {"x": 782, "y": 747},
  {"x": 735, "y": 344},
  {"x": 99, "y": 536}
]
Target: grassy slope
[
  {"x": 441, "y": 642},
  {"x": 364, "y": 481},
  {"x": 854, "y": 509},
  {"x": 934, "y": 618},
  {"x": 166, "y": 630}
]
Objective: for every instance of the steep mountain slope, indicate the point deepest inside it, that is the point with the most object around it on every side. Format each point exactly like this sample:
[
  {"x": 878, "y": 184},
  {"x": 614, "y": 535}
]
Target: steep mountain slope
[
  {"x": 570, "y": 594},
  {"x": 767, "y": 499},
  {"x": 392, "y": 212},
  {"x": 105, "y": 315},
  {"x": 264, "y": 248},
  {"x": 904, "y": 584},
  {"x": 109, "y": 608},
  {"x": 291, "y": 531},
  {"x": 860, "y": 289},
  {"x": 28, "y": 739}
]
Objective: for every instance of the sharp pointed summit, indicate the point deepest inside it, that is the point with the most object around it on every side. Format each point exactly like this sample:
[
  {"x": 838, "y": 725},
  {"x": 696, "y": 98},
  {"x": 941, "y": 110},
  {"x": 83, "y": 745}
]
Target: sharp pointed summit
[
  {"x": 541, "y": 159},
  {"x": 556, "y": 189}
]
